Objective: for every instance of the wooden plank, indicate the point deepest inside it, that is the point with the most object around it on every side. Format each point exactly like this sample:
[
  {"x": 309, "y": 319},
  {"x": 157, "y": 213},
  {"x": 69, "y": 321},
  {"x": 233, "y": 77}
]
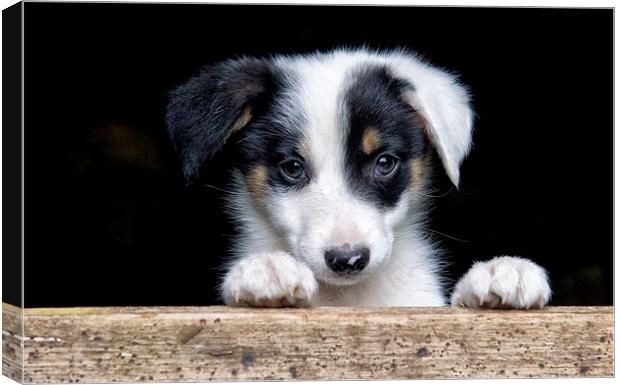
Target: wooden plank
[
  {"x": 218, "y": 343},
  {"x": 12, "y": 357}
]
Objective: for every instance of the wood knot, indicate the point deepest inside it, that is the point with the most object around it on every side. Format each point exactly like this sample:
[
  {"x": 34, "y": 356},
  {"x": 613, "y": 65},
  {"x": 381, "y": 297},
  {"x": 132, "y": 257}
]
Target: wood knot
[{"x": 423, "y": 352}]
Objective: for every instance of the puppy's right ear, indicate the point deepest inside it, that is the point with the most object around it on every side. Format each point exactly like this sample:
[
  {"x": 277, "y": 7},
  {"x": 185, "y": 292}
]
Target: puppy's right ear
[{"x": 203, "y": 112}]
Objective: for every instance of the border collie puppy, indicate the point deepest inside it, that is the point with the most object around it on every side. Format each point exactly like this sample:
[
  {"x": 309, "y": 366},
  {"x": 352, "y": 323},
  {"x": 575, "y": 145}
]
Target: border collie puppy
[{"x": 332, "y": 154}]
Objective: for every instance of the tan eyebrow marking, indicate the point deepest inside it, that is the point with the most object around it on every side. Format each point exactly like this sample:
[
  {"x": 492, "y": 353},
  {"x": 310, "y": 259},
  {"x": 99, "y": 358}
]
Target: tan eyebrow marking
[{"x": 370, "y": 140}]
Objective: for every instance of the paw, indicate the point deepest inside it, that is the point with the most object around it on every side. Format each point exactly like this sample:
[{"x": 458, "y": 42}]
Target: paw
[
  {"x": 269, "y": 280},
  {"x": 502, "y": 283}
]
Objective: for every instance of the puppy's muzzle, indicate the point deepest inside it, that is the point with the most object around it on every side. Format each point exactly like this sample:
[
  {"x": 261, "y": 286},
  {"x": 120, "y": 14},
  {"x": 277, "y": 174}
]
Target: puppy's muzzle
[{"x": 347, "y": 260}]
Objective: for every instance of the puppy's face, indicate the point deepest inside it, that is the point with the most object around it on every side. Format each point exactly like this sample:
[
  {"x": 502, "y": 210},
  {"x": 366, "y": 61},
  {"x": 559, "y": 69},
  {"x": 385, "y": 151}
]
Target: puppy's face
[
  {"x": 331, "y": 150},
  {"x": 334, "y": 165}
]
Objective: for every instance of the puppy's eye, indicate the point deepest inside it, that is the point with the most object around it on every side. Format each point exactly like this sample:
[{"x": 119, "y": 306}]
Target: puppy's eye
[
  {"x": 293, "y": 170},
  {"x": 386, "y": 166}
]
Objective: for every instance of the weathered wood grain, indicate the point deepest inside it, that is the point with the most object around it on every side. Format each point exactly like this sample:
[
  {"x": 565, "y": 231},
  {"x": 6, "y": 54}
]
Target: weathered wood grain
[
  {"x": 12, "y": 358},
  {"x": 218, "y": 343}
]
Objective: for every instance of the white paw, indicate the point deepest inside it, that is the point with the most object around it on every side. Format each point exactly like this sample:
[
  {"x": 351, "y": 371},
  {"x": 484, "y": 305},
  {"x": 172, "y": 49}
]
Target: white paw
[
  {"x": 503, "y": 282},
  {"x": 269, "y": 280}
]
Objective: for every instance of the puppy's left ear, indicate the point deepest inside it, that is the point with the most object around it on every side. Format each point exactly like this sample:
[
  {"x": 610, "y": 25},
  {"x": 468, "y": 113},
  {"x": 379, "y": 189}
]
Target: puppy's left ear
[{"x": 444, "y": 105}]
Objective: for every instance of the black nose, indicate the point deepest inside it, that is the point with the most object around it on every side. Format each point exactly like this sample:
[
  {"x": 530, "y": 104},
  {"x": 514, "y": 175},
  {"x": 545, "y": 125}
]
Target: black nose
[{"x": 347, "y": 260}]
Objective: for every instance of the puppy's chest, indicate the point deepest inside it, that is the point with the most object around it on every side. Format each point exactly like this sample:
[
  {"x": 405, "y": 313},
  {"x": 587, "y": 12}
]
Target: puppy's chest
[{"x": 402, "y": 284}]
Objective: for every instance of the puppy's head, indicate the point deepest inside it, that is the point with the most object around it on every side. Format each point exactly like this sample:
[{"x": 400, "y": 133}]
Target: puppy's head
[{"x": 331, "y": 150}]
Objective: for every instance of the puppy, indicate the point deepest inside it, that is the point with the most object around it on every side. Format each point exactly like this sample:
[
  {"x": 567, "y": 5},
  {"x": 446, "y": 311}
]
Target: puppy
[{"x": 332, "y": 157}]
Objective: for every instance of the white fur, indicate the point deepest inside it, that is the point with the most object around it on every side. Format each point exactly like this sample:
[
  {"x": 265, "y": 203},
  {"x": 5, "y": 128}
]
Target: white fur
[
  {"x": 437, "y": 95},
  {"x": 269, "y": 280},
  {"x": 503, "y": 282},
  {"x": 278, "y": 259},
  {"x": 445, "y": 105}
]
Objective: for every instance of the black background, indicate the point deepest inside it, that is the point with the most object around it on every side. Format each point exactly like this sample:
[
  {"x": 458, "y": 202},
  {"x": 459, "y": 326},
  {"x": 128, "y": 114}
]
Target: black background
[
  {"x": 11, "y": 154},
  {"x": 108, "y": 220}
]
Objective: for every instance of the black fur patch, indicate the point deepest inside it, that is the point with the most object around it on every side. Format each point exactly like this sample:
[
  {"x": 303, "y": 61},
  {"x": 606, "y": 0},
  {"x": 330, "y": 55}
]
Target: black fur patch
[
  {"x": 374, "y": 99},
  {"x": 272, "y": 137},
  {"x": 202, "y": 112}
]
